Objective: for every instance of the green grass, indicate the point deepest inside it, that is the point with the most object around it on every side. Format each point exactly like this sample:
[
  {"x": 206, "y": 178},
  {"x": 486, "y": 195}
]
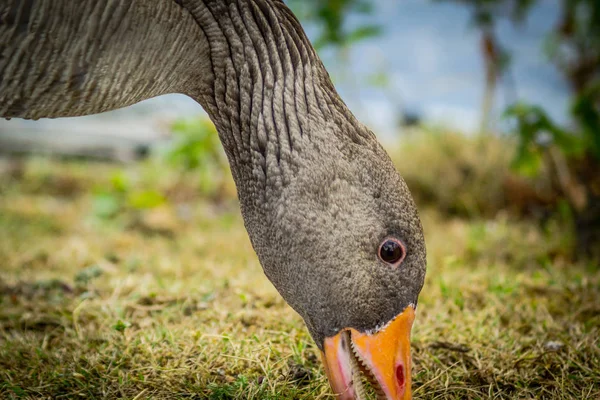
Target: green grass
[{"x": 170, "y": 302}]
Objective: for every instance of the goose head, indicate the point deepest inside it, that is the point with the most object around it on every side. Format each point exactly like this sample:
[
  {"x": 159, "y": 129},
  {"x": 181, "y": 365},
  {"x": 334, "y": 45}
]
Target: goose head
[{"x": 344, "y": 246}]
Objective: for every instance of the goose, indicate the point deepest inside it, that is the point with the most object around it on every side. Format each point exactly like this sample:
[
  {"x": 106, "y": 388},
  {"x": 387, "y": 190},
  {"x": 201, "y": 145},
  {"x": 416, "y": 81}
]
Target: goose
[{"x": 332, "y": 222}]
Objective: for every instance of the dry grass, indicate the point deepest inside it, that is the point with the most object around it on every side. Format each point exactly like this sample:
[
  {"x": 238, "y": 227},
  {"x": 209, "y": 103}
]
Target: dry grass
[
  {"x": 171, "y": 303},
  {"x": 471, "y": 176},
  {"x": 472, "y": 184}
]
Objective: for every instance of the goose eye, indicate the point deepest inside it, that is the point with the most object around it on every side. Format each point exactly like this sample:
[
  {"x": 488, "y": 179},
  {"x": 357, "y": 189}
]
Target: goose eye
[{"x": 392, "y": 251}]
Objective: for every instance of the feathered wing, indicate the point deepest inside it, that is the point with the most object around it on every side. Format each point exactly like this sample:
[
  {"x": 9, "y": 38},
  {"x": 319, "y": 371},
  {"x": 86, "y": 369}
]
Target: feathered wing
[{"x": 76, "y": 57}]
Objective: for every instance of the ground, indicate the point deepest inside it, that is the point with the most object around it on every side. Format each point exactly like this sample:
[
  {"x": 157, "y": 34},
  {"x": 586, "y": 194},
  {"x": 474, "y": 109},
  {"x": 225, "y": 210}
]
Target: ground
[{"x": 107, "y": 294}]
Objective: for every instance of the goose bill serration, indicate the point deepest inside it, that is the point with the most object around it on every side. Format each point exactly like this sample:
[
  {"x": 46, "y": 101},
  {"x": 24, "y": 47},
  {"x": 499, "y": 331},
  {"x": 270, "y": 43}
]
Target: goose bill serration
[{"x": 332, "y": 222}]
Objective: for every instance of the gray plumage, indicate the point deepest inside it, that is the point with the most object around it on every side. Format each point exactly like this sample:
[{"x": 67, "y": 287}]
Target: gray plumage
[{"x": 318, "y": 193}]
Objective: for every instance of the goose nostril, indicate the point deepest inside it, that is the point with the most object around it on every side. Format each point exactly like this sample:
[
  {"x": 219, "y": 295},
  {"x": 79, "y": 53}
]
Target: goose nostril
[{"x": 400, "y": 376}]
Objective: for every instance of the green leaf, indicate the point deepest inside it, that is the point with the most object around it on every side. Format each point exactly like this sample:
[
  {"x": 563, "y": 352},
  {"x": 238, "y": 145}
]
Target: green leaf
[
  {"x": 145, "y": 199},
  {"x": 586, "y": 110},
  {"x": 528, "y": 162},
  {"x": 196, "y": 144},
  {"x": 120, "y": 326},
  {"x": 119, "y": 181}
]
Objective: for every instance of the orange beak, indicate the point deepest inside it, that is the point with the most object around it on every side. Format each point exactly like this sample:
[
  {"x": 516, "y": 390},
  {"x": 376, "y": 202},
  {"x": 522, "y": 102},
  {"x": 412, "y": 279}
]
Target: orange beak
[{"x": 383, "y": 356}]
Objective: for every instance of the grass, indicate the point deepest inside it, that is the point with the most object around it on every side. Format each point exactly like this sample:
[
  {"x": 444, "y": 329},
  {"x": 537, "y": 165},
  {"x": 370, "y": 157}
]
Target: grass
[{"x": 170, "y": 301}]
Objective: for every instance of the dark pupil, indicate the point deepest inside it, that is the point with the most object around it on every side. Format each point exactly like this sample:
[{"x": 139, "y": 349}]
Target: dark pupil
[{"x": 391, "y": 251}]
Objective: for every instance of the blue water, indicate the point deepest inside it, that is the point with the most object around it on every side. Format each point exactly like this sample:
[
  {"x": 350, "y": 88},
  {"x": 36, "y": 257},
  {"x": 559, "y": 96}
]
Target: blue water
[{"x": 430, "y": 53}]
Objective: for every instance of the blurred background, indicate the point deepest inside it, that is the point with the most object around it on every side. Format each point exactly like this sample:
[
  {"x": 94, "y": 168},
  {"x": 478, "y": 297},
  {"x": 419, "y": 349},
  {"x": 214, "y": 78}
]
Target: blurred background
[{"x": 125, "y": 269}]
